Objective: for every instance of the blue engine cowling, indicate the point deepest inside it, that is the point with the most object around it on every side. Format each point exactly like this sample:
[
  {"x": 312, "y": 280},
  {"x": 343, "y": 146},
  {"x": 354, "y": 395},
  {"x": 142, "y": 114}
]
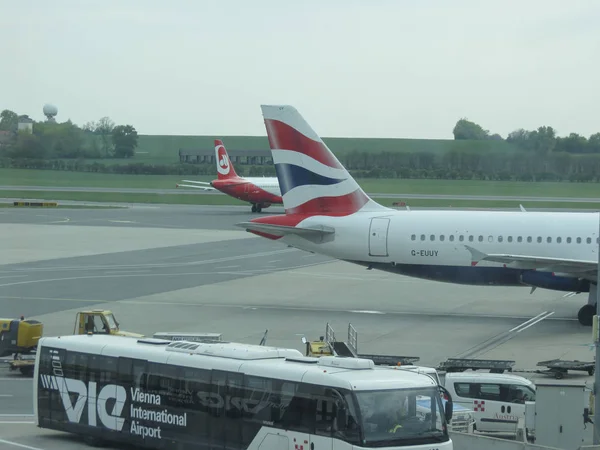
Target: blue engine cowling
[{"x": 547, "y": 280}]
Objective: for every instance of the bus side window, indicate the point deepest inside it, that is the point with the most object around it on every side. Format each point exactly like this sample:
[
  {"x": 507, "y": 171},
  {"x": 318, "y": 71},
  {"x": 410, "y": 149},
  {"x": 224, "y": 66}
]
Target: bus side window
[
  {"x": 76, "y": 365},
  {"x": 325, "y": 421},
  {"x": 301, "y": 412},
  {"x": 125, "y": 368}
]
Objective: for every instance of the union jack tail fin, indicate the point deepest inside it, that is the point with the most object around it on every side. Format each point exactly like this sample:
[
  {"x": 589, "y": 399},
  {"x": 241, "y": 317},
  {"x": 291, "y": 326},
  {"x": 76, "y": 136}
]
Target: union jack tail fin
[
  {"x": 311, "y": 179},
  {"x": 225, "y": 168}
]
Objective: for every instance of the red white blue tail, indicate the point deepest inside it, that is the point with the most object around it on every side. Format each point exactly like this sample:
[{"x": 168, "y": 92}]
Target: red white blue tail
[{"x": 311, "y": 179}]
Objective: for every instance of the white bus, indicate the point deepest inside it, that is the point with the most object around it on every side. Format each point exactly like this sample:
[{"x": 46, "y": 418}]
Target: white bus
[{"x": 189, "y": 395}]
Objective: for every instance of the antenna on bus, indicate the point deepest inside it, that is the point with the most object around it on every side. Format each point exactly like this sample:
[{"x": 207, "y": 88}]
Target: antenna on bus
[{"x": 263, "y": 341}]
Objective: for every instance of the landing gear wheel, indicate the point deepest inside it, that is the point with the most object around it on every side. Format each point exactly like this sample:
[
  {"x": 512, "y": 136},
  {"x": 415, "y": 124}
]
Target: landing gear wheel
[
  {"x": 258, "y": 208},
  {"x": 586, "y": 315},
  {"x": 253, "y": 208}
]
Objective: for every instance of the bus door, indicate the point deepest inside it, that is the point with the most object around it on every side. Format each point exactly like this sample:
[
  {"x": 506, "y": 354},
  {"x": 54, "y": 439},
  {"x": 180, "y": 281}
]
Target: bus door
[{"x": 325, "y": 418}]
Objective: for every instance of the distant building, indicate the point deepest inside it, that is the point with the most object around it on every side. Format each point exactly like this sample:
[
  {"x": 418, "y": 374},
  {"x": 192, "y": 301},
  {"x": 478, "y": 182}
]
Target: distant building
[
  {"x": 25, "y": 124},
  {"x": 242, "y": 157}
]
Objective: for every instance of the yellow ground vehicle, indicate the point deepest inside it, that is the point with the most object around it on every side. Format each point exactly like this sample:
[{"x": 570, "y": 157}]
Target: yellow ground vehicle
[
  {"x": 20, "y": 337},
  {"x": 99, "y": 321},
  {"x": 328, "y": 345}
]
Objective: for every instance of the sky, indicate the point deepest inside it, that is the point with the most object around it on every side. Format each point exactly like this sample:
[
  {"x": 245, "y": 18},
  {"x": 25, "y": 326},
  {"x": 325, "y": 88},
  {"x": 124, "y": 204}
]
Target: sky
[{"x": 372, "y": 68}]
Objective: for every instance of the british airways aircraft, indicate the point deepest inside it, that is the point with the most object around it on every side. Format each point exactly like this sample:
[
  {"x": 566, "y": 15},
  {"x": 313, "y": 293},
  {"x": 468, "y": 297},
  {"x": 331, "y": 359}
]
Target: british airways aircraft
[
  {"x": 326, "y": 212},
  {"x": 261, "y": 192}
]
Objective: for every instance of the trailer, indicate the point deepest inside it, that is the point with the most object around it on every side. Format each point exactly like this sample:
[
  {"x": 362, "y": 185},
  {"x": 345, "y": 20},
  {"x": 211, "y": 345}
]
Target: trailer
[
  {"x": 559, "y": 368},
  {"x": 462, "y": 364}
]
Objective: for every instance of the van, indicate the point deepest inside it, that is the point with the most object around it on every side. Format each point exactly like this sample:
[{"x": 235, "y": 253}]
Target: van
[
  {"x": 497, "y": 400},
  {"x": 462, "y": 417}
]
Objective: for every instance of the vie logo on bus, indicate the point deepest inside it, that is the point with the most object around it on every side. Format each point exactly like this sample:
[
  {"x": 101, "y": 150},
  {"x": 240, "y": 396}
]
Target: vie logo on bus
[{"x": 97, "y": 404}]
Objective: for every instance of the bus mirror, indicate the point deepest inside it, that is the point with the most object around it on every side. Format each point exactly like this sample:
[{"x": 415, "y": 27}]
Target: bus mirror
[
  {"x": 303, "y": 340},
  {"x": 448, "y": 411}
]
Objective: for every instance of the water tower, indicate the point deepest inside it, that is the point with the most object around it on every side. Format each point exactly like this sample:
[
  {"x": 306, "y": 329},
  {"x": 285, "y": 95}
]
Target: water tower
[{"x": 50, "y": 111}]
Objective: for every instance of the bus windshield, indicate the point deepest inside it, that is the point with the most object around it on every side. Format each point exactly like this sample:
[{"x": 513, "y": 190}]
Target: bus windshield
[{"x": 402, "y": 417}]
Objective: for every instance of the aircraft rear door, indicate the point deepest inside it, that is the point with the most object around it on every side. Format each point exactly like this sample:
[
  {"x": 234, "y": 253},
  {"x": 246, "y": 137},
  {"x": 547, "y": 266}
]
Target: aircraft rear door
[{"x": 378, "y": 235}]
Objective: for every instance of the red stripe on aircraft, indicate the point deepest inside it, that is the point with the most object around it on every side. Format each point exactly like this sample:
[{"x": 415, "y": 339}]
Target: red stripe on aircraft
[{"x": 284, "y": 137}]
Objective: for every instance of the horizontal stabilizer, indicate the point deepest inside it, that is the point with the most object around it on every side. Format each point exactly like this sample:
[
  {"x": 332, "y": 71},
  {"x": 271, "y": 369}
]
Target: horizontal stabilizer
[
  {"x": 204, "y": 188},
  {"x": 575, "y": 266},
  {"x": 197, "y": 182},
  {"x": 282, "y": 230}
]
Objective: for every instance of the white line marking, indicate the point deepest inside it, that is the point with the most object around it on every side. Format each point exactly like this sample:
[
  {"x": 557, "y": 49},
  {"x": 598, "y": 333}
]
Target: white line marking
[
  {"x": 15, "y": 276},
  {"x": 17, "y": 415},
  {"x": 156, "y": 265},
  {"x": 6, "y": 395},
  {"x": 16, "y": 444},
  {"x": 366, "y": 312},
  {"x": 227, "y": 267},
  {"x": 18, "y": 422},
  {"x": 274, "y": 261},
  {"x": 122, "y": 221},
  {"x": 14, "y": 379}
]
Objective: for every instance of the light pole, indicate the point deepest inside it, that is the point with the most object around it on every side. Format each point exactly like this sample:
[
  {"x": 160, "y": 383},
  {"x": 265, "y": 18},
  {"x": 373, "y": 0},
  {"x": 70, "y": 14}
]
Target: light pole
[{"x": 596, "y": 344}]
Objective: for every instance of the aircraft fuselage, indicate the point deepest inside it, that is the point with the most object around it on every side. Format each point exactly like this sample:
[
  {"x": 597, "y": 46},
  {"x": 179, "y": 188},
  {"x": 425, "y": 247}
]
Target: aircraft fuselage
[{"x": 431, "y": 244}]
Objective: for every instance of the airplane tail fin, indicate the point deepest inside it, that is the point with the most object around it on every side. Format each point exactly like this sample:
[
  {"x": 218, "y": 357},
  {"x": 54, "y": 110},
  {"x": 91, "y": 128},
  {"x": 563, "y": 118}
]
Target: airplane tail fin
[
  {"x": 311, "y": 179},
  {"x": 225, "y": 168}
]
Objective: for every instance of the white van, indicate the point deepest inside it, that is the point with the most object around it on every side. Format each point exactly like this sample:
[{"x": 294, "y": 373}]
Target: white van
[
  {"x": 462, "y": 416},
  {"x": 497, "y": 400}
]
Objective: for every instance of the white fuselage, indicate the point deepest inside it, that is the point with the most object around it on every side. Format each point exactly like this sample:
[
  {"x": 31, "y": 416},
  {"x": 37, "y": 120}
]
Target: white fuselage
[
  {"x": 438, "y": 238},
  {"x": 269, "y": 184}
]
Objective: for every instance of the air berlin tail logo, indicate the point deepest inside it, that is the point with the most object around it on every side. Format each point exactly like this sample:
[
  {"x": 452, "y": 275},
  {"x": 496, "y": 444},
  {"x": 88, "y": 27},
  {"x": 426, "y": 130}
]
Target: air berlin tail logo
[{"x": 222, "y": 160}]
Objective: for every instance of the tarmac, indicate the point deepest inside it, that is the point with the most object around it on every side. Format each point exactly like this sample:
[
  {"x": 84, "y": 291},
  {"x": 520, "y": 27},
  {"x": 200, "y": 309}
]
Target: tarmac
[
  {"x": 188, "y": 268},
  {"x": 406, "y": 196}
]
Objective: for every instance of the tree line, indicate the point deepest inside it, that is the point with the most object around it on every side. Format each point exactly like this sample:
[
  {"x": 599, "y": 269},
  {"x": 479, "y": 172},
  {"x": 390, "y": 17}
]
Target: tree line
[
  {"x": 51, "y": 140},
  {"x": 541, "y": 141},
  {"x": 536, "y": 155}
]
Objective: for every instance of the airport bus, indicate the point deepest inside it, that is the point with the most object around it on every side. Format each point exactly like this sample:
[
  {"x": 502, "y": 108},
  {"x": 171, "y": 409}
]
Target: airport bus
[{"x": 182, "y": 395}]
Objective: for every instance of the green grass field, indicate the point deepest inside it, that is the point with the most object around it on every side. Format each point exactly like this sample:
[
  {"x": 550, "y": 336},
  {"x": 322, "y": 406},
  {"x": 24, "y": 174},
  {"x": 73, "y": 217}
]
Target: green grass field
[
  {"x": 200, "y": 199},
  {"x": 19, "y": 177},
  {"x": 164, "y": 149}
]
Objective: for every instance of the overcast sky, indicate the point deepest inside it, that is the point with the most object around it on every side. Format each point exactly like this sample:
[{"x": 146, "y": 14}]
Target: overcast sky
[{"x": 371, "y": 68}]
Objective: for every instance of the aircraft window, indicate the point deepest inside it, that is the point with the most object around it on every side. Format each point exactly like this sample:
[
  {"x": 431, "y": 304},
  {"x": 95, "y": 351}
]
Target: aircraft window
[
  {"x": 509, "y": 239},
  {"x": 480, "y": 238},
  {"x": 413, "y": 237},
  {"x": 579, "y": 240},
  {"x": 589, "y": 240},
  {"x": 499, "y": 238},
  {"x": 451, "y": 237},
  {"x": 558, "y": 240},
  {"x": 520, "y": 239},
  {"x": 461, "y": 238},
  {"x": 539, "y": 239},
  {"x": 490, "y": 238},
  {"x": 422, "y": 237},
  {"x": 529, "y": 239},
  {"x": 470, "y": 238},
  {"x": 432, "y": 238},
  {"x": 568, "y": 240},
  {"x": 549, "y": 240},
  {"x": 442, "y": 237}
]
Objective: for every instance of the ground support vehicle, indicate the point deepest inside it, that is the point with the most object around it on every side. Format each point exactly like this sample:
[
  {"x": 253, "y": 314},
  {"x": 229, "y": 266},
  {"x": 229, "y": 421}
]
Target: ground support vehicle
[
  {"x": 328, "y": 345},
  {"x": 193, "y": 395},
  {"x": 22, "y": 336},
  {"x": 19, "y": 339},
  {"x": 559, "y": 368}
]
